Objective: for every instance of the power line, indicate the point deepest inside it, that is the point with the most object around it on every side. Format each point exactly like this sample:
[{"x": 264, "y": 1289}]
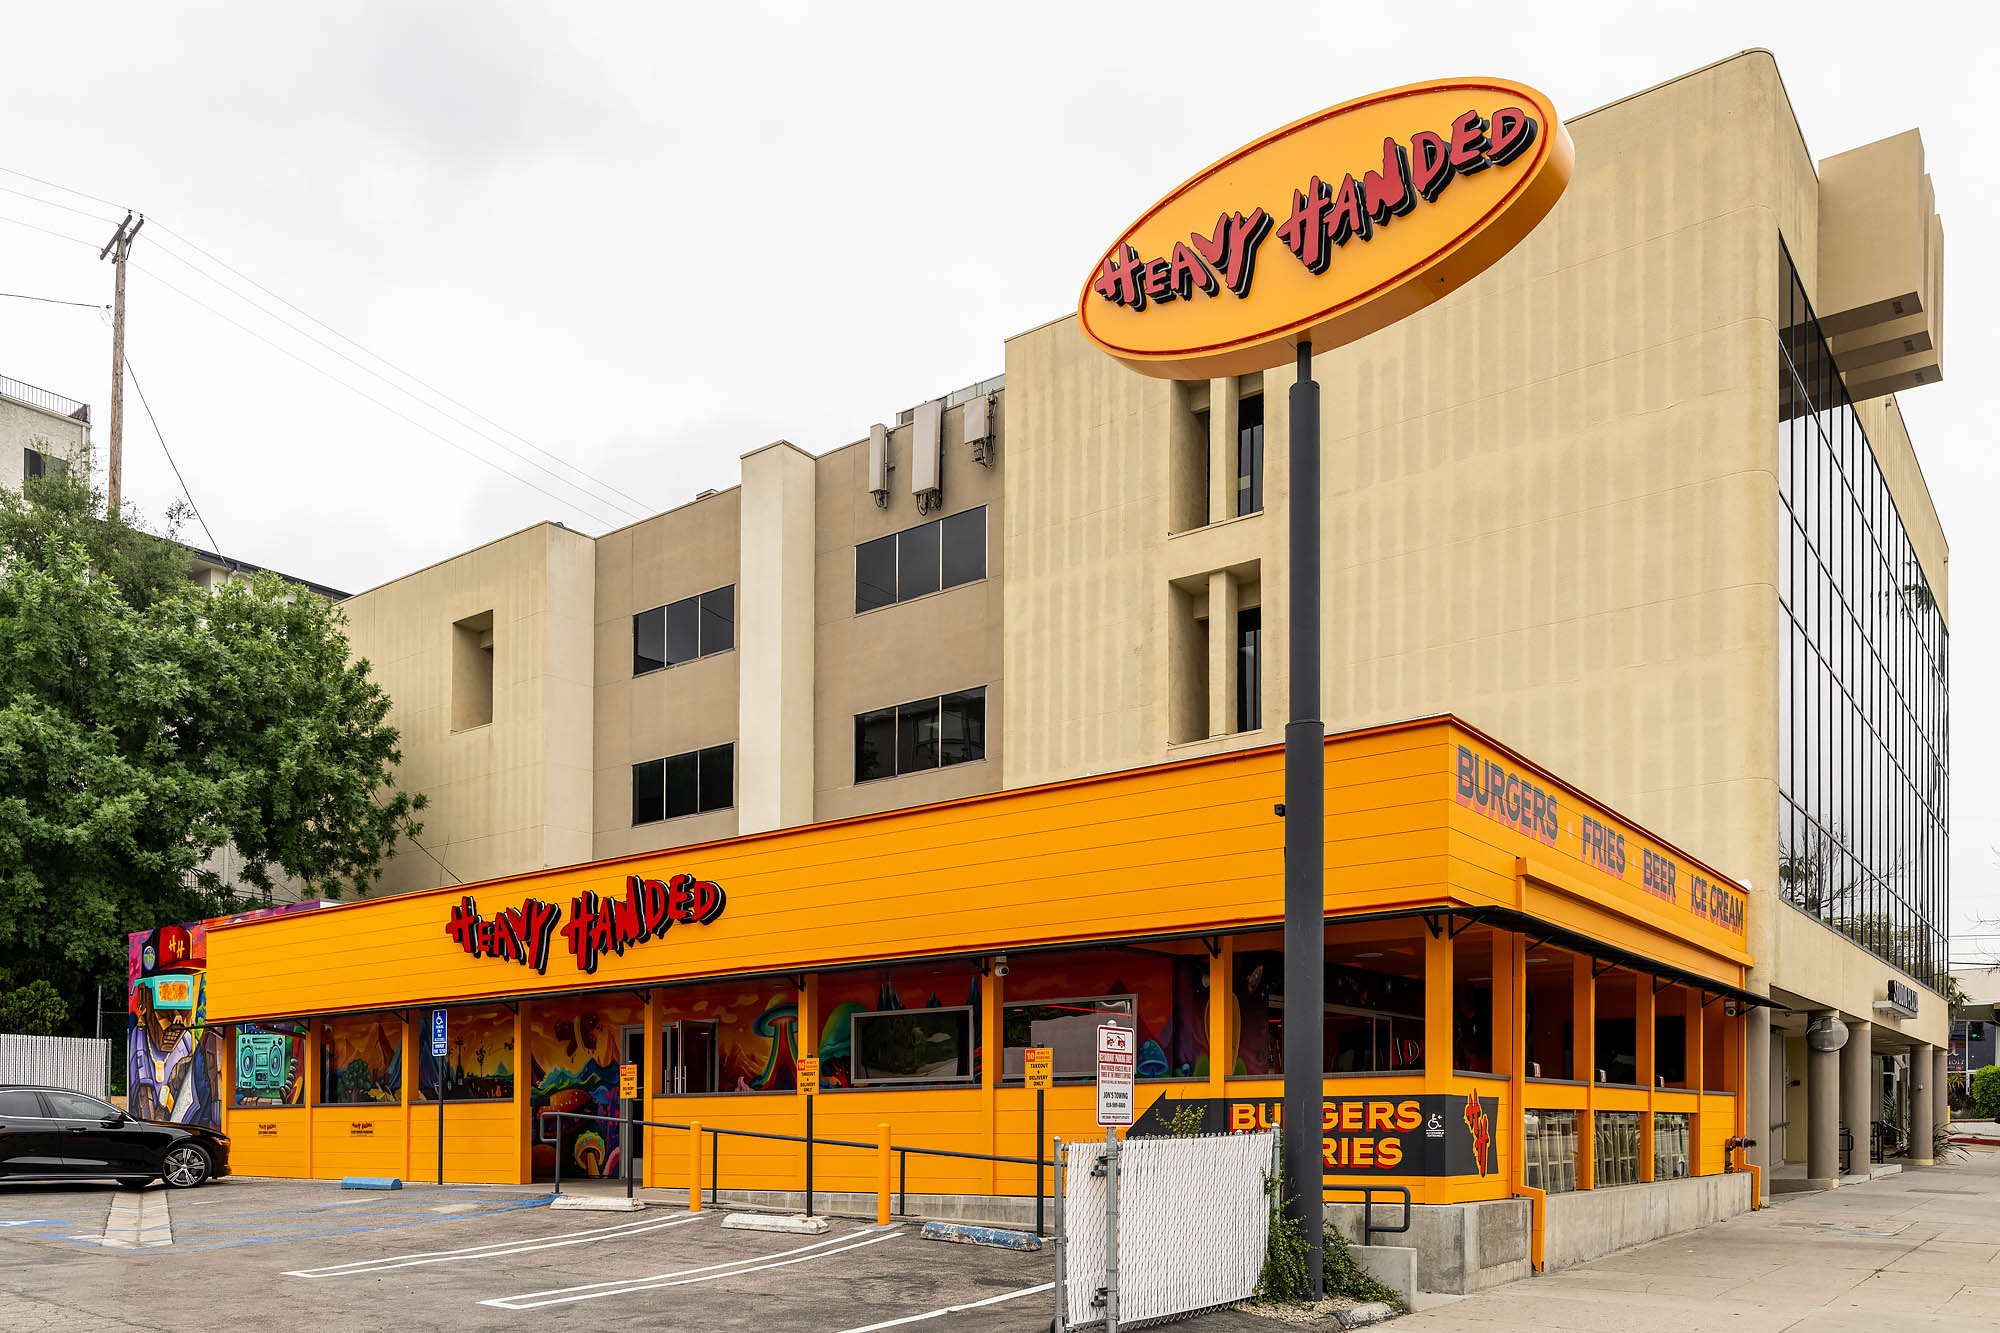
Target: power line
[
  {"x": 631, "y": 505},
  {"x": 50, "y": 300},
  {"x": 213, "y": 544},
  {"x": 364, "y": 394},
  {"x": 59, "y": 235}
]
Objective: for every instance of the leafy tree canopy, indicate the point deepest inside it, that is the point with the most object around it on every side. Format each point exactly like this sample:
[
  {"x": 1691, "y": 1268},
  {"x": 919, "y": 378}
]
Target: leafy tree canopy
[{"x": 146, "y": 724}]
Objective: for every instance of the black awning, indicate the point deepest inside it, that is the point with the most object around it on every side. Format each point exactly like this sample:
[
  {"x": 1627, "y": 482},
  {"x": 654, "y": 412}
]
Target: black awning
[{"x": 1543, "y": 932}]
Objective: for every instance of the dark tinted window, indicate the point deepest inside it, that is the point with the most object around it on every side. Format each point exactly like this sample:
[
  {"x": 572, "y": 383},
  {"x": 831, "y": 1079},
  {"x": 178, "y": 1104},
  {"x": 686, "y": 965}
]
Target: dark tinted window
[
  {"x": 683, "y": 631},
  {"x": 717, "y": 781},
  {"x": 649, "y": 640},
  {"x": 648, "y": 791},
  {"x": 916, "y": 735},
  {"x": 1250, "y": 455},
  {"x": 916, "y": 562},
  {"x": 875, "y": 745},
  {"x": 874, "y": 574},
  {"x": 718, "y": 620},
  {"x": 76, "y": 1106},
  {"x": 33, "y": 464},
  {"x": 962, "y": 727},
  {"x": 20, "y": 1104},
  {"x": 965, "y": 547},
  {"x": 1249, "y": 674},
  {"x": 682, "y": 785}
]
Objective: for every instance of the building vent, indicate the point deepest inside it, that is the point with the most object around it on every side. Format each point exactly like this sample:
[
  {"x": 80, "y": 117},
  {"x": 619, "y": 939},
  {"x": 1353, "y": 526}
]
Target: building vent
[
  {"x": 977, "y": 424},
  {"x": 926, "y": 443},
  {"x": 878, "y": 464},
  {"x": 703, "y": 495}
]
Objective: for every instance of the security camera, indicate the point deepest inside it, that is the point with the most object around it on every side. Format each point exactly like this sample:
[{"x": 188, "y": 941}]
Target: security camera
[{"x": 1000, "y": 968}]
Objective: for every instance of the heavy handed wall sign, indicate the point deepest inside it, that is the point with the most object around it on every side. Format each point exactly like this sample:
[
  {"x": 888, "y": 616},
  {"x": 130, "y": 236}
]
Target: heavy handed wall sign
[
  {"x": 597, "y": 926},
  {"x": 1331, "y": 228}
]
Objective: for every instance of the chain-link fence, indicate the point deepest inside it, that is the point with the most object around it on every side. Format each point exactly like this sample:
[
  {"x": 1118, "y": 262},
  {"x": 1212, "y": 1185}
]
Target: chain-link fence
[
  {"x": 1156, "y": 1228},
  {"x": 78, "y": 1063}
]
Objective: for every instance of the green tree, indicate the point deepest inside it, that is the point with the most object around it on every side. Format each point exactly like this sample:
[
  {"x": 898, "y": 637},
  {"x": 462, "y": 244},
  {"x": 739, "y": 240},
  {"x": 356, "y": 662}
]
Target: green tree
[
  {"x": 1986, "y": 1092},
  {"x": 35, "y": 1010},
  {"x": 146, "y": 723}
]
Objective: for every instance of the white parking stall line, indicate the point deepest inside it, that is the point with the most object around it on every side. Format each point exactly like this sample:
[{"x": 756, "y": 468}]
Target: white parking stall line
[
  {"x": 736, "y": 1268},
  {"x": 953, "y": 1309},
  {"x": 493, "y": 1250}
]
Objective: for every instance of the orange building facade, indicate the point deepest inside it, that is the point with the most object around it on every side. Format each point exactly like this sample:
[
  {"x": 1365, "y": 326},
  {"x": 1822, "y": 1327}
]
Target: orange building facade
[{"x": 1525, "y": 993}]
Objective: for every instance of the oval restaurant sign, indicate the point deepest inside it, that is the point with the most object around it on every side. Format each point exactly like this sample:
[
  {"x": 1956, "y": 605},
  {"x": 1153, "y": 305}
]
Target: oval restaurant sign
[{"x": 1331, "y": 228}]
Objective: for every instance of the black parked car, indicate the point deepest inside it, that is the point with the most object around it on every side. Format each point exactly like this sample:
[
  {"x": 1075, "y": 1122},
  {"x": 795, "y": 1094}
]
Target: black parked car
[{"x": 55, "y": 1134}]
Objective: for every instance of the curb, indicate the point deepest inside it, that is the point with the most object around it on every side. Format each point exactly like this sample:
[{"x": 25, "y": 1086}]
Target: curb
[
  {"x": 594, "y": 1203},
  {"x": 807, "y": 1226},
  {"x": 370, "y": 1183},
  {"x": 959, "y": 1233}
]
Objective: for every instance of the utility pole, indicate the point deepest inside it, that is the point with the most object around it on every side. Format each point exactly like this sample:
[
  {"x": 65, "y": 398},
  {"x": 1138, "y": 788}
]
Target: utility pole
[{"x": 119, "y": 246}]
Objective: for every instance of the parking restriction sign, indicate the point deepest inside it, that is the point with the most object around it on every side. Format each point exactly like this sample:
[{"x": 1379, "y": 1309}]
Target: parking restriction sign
[{"x": 1117, "y": 1062}]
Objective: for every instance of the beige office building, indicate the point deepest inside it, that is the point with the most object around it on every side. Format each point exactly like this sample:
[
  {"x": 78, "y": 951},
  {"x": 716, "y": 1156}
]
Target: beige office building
[
  {"x": 1639, "y": 501},
  {"x": 40, "y": 429}
]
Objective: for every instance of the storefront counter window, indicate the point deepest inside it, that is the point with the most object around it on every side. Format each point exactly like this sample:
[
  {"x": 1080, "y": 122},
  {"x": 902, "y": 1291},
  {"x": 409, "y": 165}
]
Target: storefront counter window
[
  {"x": 900, "y": 1027},
  {"x": 1473, "y": 954},
  {"x": 1616, "y": 1148},
  {"x": 911, "y": 1046},
  {"x": 1670, "y": 1144},
  {"x": 1549, "y": 1160},
  {"x": 1371, "y": 1006},
  {"x": 1549, "y": 1039},
  {"x": 360, "y": 1060},
  {"x": 1059, "y": 999},
  {"x": 478, "y": 1057}
]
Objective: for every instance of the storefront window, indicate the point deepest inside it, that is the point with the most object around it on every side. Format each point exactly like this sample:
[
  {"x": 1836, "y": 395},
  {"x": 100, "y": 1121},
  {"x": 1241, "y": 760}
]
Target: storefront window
[
  {"x": 1472, "y": 973},
  {"x": 1551, "y": 1008},
  {"x": 1670, "y": 1022},
  {"x": 1616, "y": 1148},
  {"x": 1059, "y": 1000},
  {"x": 1550, "y": 1160},
  {"x": 876, "y": 1032},
  {"x": 1617, "y": 1053},
  {"x": 726, "y": 1038},
  {"x": 574, "y": 1044},
  {"x": 1371, "y": 1007},
  {"x": 360, "y": 1060},
  {"x": 270, "y": 1064},
  {"x": 1716, "y": 1021},
  {"x": 478, "y": 1056},
  {"x": 1670, "y": 1144}
]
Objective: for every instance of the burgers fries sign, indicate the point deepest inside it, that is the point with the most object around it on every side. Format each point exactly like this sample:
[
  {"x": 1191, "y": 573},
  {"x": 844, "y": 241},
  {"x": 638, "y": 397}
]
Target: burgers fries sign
[{"x": 1328, "y": 229}]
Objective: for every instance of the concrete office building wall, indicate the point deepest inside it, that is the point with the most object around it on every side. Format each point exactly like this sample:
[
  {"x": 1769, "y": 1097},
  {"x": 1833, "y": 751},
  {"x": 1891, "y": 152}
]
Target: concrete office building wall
[
  {"x": 639, "y": 717},
  {"x": 487, "y": 660},
  {"x": 936, "y": 644},
  {"x": 25, "y": 426}
]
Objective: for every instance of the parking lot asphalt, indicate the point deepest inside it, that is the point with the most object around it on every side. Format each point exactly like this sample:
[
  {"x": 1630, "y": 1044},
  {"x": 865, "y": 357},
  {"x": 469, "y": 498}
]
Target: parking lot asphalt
[{"x": 89, "y": 1257}]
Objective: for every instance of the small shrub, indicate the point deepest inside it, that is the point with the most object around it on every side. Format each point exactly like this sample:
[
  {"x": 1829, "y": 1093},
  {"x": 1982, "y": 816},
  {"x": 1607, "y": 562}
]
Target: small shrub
[
  {"x": 1344, "y": 1277},
  {"x": 1284, "y": 1279},
  {"x": 1986, "y": 1092},
  {"x": 1187, "y": 1122}
]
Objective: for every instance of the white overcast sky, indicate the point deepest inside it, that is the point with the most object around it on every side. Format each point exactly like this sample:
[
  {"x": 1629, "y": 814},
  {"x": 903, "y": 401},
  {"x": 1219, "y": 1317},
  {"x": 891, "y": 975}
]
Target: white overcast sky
[{"x": 649, "y": 238}]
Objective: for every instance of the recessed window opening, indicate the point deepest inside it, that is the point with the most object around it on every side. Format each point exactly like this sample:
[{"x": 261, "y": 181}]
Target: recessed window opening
[
  {"x": 921, "y": 735},
  {"x": 682, "y": 631},
  {"x": 684, "y": 784},
  {"x": 472, "y": 672},
  {"x": 916, "y": 562}
]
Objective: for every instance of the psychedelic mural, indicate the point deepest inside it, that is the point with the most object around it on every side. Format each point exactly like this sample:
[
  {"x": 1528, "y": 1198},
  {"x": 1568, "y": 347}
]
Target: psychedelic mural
[
  {"x": 1170, "y": 991},
  {"x": 270, "y": 1064},
  {"x": 361, "y": 1060},
  {"x": 756, "y": 1031},
  {"x": 845, "y": 994},
  {"x": 479, "y": 1055},
  {"x": 573, "y": 1066}
]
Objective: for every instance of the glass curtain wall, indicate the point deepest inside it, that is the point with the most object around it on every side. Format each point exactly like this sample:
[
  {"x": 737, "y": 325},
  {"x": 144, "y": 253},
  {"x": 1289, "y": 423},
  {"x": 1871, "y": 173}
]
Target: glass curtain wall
[{"x": 1862, "y": 730}]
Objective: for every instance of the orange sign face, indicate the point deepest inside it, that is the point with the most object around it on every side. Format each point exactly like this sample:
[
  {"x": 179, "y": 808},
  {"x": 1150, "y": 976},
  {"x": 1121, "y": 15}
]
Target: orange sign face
[{"x": 1331, "y": 228}]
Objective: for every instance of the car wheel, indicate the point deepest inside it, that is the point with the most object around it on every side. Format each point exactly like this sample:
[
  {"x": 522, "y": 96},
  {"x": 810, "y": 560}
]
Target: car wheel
[
  {"x": 184, "y": 1166},
  {"x": 134, "y": 1182}
]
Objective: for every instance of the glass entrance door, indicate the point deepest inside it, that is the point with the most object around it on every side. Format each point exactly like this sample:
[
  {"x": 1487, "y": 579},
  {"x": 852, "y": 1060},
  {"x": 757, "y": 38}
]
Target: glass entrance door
[{"x": 692, "y": 1058}]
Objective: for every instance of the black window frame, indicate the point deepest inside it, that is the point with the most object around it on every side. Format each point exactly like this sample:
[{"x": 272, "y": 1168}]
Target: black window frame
[
  {"x": 712, "y": 616},
  {"x": 1250, "y": 668},
  {"x": 884, "y": 556},
  {"x": 657, "y": 772},
  {"x": 930, "y": 732},
  {"x": 1250, "y": 455}
]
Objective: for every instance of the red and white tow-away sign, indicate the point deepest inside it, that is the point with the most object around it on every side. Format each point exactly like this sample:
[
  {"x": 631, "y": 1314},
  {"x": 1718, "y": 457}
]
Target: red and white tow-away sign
[{"x": 1117, "y": 1062}]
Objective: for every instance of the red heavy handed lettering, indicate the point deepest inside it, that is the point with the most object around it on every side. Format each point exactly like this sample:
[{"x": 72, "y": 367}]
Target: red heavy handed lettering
[
  {"x": 1122, "y": 281},
  {"x": 1232, "y": 251},
  {"x": 1305, "y": 232}
]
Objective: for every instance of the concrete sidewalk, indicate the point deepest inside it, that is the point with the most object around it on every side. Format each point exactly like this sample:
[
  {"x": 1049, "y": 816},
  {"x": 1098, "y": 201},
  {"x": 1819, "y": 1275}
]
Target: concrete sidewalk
[{"x": 1918, "y": 1250}]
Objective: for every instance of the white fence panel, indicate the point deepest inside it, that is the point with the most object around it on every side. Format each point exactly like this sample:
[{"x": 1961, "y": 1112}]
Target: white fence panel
[
  {"x": 1193, "y": 1216},
  {"x": 62, "y": 1062}
]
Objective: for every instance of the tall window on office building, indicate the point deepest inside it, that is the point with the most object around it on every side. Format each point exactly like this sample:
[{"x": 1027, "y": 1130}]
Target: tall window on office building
[
  {"x": 1249, "y": 668},
  {"x": 1862, "y": 723},
  {"x": 1250, "y": 455}
]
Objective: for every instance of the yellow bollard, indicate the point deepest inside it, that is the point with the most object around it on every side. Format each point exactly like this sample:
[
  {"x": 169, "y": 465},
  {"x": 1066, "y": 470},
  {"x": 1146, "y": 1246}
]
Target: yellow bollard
[
  {"x": 882, "y": 1174},
  {"x": 694, "y": 1167}
]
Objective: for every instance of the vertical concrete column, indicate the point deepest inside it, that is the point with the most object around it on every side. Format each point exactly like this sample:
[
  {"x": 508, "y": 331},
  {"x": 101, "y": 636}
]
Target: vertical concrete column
[
  {"x": 1822, "y": 1111},
  {"x": 1222, "y": 453},
  {"x": 1857, "y": 1091},
  {"x": 1756, "y": 1090},
  {"x": 1941, "y": 1086},
  {"x": 1224, "y": 662},
  {"x": 1921, "y": 1082},
  {"x": 774, "y": 639}
]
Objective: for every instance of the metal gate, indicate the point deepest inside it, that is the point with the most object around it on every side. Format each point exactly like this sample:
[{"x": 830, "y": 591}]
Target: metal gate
[{"x": 1154, "y": 1228}]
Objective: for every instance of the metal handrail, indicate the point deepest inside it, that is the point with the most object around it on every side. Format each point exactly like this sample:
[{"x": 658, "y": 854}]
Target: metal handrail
[
  {"x": 52, "y": 403},
  {"x": 1367, "y": 1192},
  {"x": 716, "y": 1132}
]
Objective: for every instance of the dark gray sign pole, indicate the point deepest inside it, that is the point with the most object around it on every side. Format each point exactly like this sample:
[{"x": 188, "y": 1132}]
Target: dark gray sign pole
[{"x": 1305, "y": 843}]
